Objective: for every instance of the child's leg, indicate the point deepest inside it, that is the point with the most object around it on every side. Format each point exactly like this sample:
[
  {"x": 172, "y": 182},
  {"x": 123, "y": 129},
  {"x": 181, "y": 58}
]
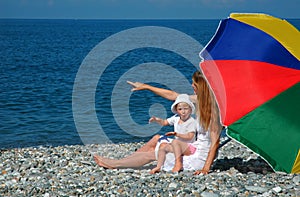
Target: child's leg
[
  {"x": 163, "y": 150},
  {"x": 180, "y": 148}
]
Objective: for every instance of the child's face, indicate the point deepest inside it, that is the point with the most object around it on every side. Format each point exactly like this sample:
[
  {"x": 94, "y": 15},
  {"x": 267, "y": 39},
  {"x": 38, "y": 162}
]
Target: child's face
[{"x": 183, "y": 110}]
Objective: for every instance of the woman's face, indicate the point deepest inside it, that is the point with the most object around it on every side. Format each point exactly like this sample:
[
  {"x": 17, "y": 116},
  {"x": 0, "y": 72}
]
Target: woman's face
[{"x": 194, "y": 86}]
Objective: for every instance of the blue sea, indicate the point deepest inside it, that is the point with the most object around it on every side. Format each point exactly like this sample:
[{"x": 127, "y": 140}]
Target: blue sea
[{"x": 40, "y": 60}]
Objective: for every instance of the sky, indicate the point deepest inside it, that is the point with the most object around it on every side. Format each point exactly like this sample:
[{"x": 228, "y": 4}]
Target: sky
[{"x": 144, "y": 9}]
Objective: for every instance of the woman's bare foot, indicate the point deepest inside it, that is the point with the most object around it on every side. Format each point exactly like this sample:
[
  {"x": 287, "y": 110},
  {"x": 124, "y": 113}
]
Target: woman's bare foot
[
  {"x": 155, "y": 170},
  {"x": 101, "y": 162}
]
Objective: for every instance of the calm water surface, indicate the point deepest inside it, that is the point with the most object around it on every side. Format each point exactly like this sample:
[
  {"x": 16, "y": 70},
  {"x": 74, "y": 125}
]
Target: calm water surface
[{"x": 38, "y": 67}]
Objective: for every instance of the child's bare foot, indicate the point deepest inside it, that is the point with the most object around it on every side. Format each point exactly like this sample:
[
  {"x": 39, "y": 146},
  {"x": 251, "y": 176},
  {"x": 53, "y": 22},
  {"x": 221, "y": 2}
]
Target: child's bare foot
[
  {"x": 177, "y": 168},
  {"x": 155, "y": 170},
  {"x": 101, "y": 162}
]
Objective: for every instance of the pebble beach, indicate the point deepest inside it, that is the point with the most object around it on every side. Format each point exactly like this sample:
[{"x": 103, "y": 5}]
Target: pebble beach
[{"x": 71, "y": 171}]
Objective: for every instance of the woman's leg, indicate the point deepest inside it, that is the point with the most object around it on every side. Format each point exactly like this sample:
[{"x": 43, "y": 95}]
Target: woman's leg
[
  {"x": 142, "y": 156},
  {"x": 180, "y": 148},
  {"x": 150, "y": 145},
  {"x": 134, "y": 160}
]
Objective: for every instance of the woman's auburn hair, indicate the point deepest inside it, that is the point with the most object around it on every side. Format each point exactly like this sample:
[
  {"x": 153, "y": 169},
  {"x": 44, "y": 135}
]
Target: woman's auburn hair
[{"x": 206, "y": 104}]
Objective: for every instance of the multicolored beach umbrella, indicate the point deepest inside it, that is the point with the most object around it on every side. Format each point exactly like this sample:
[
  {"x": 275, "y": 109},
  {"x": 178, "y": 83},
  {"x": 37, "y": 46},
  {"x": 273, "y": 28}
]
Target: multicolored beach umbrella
[{"x": 252, "y": 64}]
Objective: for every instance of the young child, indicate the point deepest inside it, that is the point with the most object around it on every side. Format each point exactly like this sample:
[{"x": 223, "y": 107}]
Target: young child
[{"x": 184, "y": 128}]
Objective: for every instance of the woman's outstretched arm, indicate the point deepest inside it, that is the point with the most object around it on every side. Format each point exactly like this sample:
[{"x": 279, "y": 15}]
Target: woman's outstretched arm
[{"x": 165, "y": 93}]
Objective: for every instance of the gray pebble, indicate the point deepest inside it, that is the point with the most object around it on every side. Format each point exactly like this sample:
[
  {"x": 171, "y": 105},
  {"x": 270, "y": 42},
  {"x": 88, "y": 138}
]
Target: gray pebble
[
  {"x": 173, "y": 186},
  {"x": 296, "y": 179},
  {"x": 71, "y": 171},
  {"x": 256, "y": 189},
  {"x": 277, "y": 189},
  {"x": 209, "y": 194}
]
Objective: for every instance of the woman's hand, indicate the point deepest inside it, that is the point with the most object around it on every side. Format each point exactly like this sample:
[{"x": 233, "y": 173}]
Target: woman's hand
[
  {"x": 202, "y": 172},
  {"x": 136, "y": 85},
  {"x": 165, "y": 93}
]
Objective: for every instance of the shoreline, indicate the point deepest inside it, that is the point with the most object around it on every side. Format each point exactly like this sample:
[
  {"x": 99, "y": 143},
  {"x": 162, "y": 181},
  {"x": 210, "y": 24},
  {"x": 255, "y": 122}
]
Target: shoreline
[{"x": 71, "y": 171}]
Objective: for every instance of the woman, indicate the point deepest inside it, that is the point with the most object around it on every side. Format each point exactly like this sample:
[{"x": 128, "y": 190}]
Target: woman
[{"x": 209, "y": 124}]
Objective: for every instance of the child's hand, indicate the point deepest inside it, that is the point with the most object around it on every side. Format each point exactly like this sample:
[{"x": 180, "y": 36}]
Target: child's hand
[
  {"x": 160, "y": 121},
  {"x": 154, "y": 119}
]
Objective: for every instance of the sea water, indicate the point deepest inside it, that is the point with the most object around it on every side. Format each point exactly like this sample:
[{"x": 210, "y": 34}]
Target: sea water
[{"x": 39, "y": 63}]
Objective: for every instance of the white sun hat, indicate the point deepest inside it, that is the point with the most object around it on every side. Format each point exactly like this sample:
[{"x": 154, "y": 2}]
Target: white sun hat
[{"x": 185, "y": 99}]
